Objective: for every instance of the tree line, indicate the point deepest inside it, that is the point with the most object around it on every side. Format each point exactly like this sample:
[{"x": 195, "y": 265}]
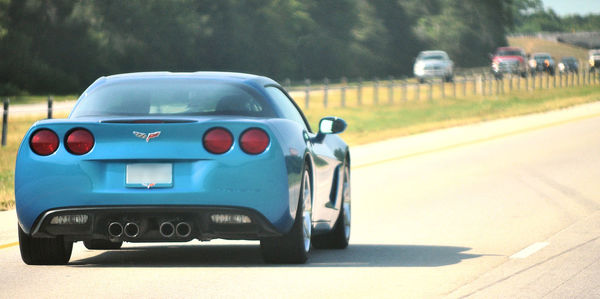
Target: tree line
[{"x": 61, "y": 46}]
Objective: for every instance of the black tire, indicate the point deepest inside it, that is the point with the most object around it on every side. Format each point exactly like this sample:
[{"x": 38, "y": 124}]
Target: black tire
[
  {"x": 99, "y": 244},
  {"x": 44, "y": 251},
  {"x": 339, "y": 237},
  {"x": 449, "y": 78},
  {"x": 421, "y": 80},
  {"x": 291, "y": 248}
]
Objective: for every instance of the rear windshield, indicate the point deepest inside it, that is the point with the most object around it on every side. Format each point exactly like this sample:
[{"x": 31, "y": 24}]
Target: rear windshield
[
  {"x": 431, "y": 57},
  {"x": 509, "y": 53},
  {"x": 160, "y": 97}
]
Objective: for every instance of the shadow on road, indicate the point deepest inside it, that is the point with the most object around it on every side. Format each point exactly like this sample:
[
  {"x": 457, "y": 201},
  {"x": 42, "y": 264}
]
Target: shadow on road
[{"x": 360, "y": 255}]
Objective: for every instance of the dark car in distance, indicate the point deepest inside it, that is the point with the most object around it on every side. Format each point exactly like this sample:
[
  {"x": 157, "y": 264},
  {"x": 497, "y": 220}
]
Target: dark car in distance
[{"x": 568, "y": 64}]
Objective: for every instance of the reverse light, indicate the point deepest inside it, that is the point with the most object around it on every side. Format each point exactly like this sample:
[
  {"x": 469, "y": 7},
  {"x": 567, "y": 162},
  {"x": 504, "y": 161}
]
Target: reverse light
[
  {"x": 217, "y": 140},
  {"x": 79, "y": 141},
  {"x": 44, "y": 142},
  {"x": 230, "y": 219},
  {"x": 254, "y": 141},
  {"x": 69, "y": 219}
]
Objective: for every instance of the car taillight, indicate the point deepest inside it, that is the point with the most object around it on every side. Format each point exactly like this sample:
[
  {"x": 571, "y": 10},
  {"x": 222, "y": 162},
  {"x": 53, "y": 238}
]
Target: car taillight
[
  {"x": 79, "y": 141},
  {"x": 254, "y": 141},
  {"x": 44, "y": 142},
  {"x": 217, "y": 140}
]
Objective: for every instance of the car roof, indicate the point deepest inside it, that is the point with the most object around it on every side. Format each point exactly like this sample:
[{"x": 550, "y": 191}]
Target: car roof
[
  {"x": 433, "y": 52},
  {"x": 541, "y": 54},
  {"x": 509, "y": 49},
  {"x": 240, "y": 78},
  {"x": 226, "y": 76}
]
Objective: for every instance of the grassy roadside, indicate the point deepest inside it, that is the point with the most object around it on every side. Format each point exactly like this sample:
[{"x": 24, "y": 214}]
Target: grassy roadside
[{"x": 370, "y": 123}]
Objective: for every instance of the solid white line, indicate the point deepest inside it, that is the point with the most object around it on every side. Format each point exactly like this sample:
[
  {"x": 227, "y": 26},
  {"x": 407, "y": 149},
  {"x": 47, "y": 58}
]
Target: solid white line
[{"x": 533, "y": 248}]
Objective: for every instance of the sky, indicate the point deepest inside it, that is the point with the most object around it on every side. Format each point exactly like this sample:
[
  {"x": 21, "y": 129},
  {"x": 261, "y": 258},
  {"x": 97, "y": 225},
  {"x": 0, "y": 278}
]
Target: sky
[{"x": 566, "y": 7}]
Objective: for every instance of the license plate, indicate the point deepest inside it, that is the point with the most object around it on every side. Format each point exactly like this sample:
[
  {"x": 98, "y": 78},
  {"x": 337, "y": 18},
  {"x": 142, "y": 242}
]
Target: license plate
[{"x": 149, "y": 175}]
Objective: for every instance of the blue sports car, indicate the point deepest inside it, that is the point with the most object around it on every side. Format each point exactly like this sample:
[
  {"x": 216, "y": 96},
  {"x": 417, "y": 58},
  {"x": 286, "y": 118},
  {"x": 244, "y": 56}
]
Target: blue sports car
[{"x": 172, "y": 157}]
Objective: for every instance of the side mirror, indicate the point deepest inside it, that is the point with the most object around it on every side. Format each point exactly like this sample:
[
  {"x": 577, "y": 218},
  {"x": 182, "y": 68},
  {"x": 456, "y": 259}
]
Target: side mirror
[
  {"x": 491, "y": 56},
  {"x": 331, "y": 125}
]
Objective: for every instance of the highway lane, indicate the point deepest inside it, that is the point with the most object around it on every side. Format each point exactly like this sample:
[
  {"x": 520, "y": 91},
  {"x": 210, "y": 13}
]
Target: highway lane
[{"x": 442, "y": 221}]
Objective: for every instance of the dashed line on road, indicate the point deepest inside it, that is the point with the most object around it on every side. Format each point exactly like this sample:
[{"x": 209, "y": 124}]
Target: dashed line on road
[
  {"x": 533, "y": 248},
  {"x": 2, "y": 246},
  {"x": 472, "y": 142}
]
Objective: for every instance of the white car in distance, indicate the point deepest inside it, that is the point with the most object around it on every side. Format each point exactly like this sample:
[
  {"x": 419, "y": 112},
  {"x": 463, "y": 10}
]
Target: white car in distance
[{"x": 433, "y": 64}]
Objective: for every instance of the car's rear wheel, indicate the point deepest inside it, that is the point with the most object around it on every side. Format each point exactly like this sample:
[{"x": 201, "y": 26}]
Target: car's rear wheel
[
  {"x": 339, "y": 237},
  {"x": 293, "y": 247},
  {"x": 44, "y": 251},
  {"x": 99, "y": 244}
]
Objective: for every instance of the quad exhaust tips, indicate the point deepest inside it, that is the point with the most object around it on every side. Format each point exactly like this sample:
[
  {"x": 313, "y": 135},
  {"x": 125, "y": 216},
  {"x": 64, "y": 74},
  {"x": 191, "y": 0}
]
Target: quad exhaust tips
[
  {"x": 166, "y": 229},
  {"x": 182, "y": 230}
]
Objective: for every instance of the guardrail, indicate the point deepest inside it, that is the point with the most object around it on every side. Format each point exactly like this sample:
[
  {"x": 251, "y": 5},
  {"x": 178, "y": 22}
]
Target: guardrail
[
  {"x": 385, "y": 92},
  {"x": 375, "y": 92}
]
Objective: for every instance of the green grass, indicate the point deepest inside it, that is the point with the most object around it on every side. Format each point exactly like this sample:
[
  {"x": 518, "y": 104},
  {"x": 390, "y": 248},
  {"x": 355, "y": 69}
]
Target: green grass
[{"x": 370, "y": 122}]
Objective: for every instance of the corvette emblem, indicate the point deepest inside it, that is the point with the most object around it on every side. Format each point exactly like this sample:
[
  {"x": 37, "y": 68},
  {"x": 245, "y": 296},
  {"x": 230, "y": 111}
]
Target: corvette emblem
[
  {"x": 148, "y": 185},
  {"x": 147, "y": 136}
]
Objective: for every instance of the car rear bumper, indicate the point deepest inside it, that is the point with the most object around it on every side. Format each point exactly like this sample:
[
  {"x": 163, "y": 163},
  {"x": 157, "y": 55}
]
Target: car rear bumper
[{"x": 149, "y": 219}]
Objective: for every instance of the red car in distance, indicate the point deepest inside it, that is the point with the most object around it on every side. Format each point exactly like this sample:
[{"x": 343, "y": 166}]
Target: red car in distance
[{"x": 509, "y": 60}]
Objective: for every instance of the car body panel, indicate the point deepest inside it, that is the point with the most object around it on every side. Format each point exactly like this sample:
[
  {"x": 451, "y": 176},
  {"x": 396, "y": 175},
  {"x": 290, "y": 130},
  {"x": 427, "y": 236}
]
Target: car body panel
[{"x": 267, "y": 183}]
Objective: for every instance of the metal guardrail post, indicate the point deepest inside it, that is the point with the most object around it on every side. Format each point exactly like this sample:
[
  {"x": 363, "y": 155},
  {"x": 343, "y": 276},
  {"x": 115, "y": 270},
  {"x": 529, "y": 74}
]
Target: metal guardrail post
[
  {"x": 483, "y": 88},
  {"x": 464, "y": 81},
  {"x": 50, "y": 102},
  {"x": 359, "y": 92},
  {"x": 391, "y": 90},
  {"x": 5, "y": 121},
  {"x": 474, "y": 85},
  {"x": 307, "y": 93},
  {"x": 417, "y": 92},
  {"x": 404, "y": 91},
  {"x": 343, "y": 91},
  {"x": 560, "y": 80},
  {"x": 430, "y": 91},
  {"x": 325, "y": 88},
  {"x": 443, "y": 89},
  {"x": 376, "y": 91},
  {"x": 453, "y": 88}
]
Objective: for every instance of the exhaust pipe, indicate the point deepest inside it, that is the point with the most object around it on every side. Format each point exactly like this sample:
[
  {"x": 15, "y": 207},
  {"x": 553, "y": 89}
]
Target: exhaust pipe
[
  {"x": 183, "y": 229},
  {"x": 167, "y": 229},
  {"x": 132, "y": 230},
  {"x": 115, "y": 230}
]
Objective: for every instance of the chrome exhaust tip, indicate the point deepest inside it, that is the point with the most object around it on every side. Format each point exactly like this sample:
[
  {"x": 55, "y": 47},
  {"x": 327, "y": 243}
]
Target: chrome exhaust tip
[
  {"x": 115, "y": 230},
  {"x": 183, "y": 229},
  {"x": 132, "y": 230},
  {"x": 167, "y": 229}
]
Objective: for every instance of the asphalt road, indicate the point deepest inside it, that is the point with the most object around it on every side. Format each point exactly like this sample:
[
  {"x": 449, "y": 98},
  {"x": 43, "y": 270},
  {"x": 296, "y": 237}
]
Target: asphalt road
[{"x": 509, "y": 208}]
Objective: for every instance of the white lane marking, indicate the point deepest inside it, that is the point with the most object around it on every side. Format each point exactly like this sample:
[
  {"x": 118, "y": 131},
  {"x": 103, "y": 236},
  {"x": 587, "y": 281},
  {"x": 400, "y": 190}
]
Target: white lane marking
[{"x": 533, "y": 248}]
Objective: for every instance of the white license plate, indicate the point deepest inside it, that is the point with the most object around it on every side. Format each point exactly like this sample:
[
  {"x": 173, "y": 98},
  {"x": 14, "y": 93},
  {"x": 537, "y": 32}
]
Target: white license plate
[{"x": 149, "y": 175}]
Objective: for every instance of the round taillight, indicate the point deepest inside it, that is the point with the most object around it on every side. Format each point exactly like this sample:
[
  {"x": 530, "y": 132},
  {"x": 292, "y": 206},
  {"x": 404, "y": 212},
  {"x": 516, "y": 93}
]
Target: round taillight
[
  {"x": 217, "y": 140},
  {"x": 79, "y": 141},
  {"x": 254, "y": 141},
  {"x": 44, "y": 142}
]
